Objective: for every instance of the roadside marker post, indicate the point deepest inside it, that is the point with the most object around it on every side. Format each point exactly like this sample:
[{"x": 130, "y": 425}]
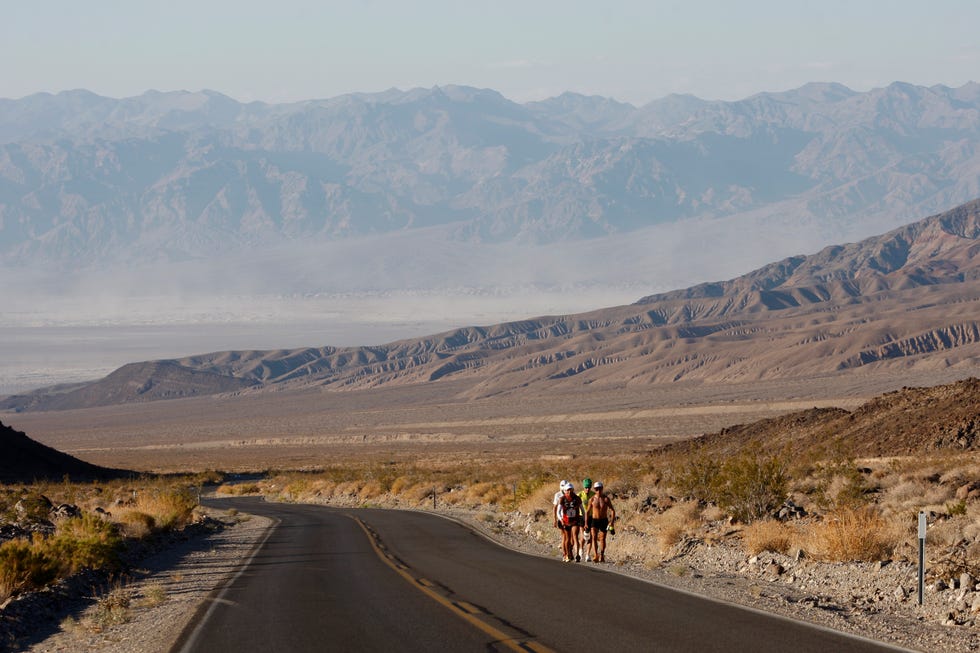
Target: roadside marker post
[{"x": 922, "y": 554}]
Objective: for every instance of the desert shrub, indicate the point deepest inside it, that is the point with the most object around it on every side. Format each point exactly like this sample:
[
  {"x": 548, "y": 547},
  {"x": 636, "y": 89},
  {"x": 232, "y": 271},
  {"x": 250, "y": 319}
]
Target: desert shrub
[
  {"x": 136, "y": 524},
  {"x": 419, "y": 492},
  {"x": 839, "y": 484},
  {"x": 153, "y": 595},
  {"x": 916, "y": 494},
  {"x": 767, "y": 535},
  {"x": 539, "y": 498},
  {"x": 171, "y": 508},
  {"x": 698, "y": 477},
  {"x": 112, "y": 608},
  {"x": 24, "y": 566},
  {"x": 295, "y": 487},
  {"x": 400, "y": 485},
  {"x": 851, "y": 534},
  {"x": 349, "y": 488},
  {"x": 749, "y": 487},
  {"x": 489, "y": 493},
  {"x": 529, "y": 486},
  {"x": 86, "y": 542},
  {"x": 370, "y": 490},
  {"x": 207, "y": 477},
  {"x": 956, "y": 508}
]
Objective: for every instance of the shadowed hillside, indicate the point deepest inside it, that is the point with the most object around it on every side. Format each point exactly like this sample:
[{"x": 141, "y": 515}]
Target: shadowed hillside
[
  {"x": 906, "y": 300},
  {"x": 26, "y": 461}
]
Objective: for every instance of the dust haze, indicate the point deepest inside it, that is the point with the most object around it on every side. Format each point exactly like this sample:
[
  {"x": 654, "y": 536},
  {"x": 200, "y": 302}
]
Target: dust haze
[{"x": 68, "y": 325}]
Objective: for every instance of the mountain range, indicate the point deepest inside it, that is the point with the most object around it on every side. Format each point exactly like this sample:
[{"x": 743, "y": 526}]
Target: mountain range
[
  {"x": 86, "y": 180},
  {"x": 902, "y": 302}
]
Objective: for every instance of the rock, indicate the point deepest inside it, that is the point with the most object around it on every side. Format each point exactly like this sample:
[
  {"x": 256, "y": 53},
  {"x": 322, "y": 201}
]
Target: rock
[
  {"x": 975, "y": 606},
  {"x": 966, "y": 580},
  {"x": 900, "y": 594},
  {"x": 33, "y": 507},
  {"x": 754, "y": 560},
  {"x": 775, "y": 569},
  {"x": 963, "y": 492},
  {"x": 789, "y": 510},
  {"x": 66, "y": 511}
]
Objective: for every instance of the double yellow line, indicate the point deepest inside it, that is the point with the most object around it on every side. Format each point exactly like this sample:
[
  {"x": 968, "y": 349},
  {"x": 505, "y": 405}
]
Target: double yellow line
[{"x": 472, "y": 614}]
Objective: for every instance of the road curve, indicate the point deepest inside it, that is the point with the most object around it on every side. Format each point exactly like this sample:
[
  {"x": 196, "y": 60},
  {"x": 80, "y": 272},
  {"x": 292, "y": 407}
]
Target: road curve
[{"x": 385, "y": 580}]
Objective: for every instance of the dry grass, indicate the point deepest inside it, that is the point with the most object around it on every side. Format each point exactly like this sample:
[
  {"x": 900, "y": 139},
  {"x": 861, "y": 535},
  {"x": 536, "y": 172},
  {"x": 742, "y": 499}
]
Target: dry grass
[
  {"x": 674, "y": 523},
  {"x": 768, "y": 535},
  {"x": 853, "y": 534},
  {"x": 157, "y": 509}
]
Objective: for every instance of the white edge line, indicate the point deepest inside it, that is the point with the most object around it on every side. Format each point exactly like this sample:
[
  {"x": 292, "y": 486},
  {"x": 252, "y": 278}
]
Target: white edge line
[{"x": 219, "y": 597}]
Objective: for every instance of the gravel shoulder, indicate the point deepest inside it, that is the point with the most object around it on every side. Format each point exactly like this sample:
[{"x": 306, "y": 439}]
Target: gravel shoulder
[
  {"x": 868, "y": 600},
  {"x": 147, "y": 610}
]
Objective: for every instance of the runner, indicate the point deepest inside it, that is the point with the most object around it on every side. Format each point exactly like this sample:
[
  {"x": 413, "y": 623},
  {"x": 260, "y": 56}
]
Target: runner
[
  {"x": 570, "y": 509},
  {"x": 602, "y": 517},
  {"x": 556, "y": 517},
  {"x": 586, "y": 544}
]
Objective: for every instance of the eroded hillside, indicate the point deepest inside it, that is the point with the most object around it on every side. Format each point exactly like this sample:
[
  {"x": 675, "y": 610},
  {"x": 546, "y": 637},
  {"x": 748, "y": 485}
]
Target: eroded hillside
[{"x": 906, "y": 300}]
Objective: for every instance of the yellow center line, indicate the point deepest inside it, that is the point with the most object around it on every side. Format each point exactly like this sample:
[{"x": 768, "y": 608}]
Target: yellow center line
[{"x": 456, "y": 607}]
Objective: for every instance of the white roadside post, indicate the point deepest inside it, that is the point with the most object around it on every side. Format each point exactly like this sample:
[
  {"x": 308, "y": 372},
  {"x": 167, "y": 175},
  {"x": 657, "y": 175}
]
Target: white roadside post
[{"x": 922, "y": 553}]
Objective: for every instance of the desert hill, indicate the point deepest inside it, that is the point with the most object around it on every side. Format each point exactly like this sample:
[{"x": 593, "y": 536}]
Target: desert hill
[
  {"x": 907, "y": 300},
  {"x": 26, "y": 461},
  {"x": 910, "y": 421}
]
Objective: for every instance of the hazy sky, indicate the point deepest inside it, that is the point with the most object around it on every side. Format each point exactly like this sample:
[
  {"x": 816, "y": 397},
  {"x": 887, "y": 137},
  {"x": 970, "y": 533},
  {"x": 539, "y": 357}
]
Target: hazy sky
[{"x": 632, "y": 51}]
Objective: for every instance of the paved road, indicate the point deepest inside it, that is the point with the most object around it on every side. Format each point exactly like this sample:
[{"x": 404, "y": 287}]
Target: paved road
[{"x": 380, "y": 580}]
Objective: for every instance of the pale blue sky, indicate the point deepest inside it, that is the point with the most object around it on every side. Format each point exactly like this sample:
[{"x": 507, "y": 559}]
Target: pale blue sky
[{"x": 632, "y": 51}]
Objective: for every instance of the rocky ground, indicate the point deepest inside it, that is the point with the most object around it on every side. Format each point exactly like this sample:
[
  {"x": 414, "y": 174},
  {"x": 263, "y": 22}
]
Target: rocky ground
[{"x": 147, "y": 610}]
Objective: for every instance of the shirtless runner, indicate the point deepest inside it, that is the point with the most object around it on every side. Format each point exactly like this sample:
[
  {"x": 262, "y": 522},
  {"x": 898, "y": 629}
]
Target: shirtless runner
[{"x": 601, "y": 515}]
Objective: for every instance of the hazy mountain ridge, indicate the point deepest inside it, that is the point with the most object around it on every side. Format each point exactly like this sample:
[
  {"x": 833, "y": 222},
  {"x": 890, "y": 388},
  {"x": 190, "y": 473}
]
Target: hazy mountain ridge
[
  {"x": 937, "y": 250},
  {"x": 177, "y": 175},
  {"x": 908, "y": 298}
]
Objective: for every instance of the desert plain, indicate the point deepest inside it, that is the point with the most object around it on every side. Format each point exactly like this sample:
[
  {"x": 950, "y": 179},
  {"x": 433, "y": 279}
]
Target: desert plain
[{"x": 313, "y": 428}]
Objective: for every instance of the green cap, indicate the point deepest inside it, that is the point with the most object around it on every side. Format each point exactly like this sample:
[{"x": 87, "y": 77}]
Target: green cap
[{"x": 587, "y": 483}]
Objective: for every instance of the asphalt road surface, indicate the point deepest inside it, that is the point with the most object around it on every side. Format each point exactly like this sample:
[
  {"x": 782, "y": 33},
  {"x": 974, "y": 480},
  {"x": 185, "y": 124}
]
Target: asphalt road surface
[{"x": 328, "y": 579}]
